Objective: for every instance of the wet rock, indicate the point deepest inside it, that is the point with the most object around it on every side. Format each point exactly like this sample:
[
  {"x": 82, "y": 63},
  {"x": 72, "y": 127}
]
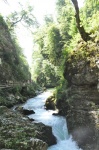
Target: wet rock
[
  {"x": 83, "y": 135},
  {"x": 80, "y": 103},
  {"x": 45, "y": 134},
  {"x": 27, "y": 112},
  {"x": 24, "y": 111},
  {"x": 18, "y": 133},
  {"x": 38, "y": 144},
  {"x": 56, "y": 114},
  {"x": 31, "y": 119},
  {"x": 50, "y": 103}
]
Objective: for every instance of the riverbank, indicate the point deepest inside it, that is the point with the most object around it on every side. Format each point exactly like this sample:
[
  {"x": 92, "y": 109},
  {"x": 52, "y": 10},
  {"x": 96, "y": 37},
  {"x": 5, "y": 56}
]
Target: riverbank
[
  {"x": 10, "y": 96},
  {"x": 19, "y": 132}
]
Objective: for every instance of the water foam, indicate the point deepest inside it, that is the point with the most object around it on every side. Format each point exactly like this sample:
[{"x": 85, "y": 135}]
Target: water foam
[{"x": 58, "y": 123}]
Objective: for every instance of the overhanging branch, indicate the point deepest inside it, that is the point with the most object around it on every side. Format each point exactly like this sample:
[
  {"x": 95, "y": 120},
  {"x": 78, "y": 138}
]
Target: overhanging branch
[{"x": 17, "y": 21}]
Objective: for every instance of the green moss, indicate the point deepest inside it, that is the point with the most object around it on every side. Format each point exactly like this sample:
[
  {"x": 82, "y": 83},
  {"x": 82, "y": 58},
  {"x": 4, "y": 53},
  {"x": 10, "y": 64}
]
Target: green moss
[
  {"x": 17, "y": 136},
  {"x": 87, "y": 52}
]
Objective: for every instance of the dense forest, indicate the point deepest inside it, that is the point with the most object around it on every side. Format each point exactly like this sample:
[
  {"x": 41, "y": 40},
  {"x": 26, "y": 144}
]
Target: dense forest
[
  {"x": 65, "y": 57},
  {"x": 55, "y": 40}
]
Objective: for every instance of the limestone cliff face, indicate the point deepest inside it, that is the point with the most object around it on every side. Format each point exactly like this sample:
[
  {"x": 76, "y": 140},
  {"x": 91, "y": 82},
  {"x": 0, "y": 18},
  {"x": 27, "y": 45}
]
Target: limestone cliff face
[
  {"x": 11, "y": 66},
  {"x": 82, "y": 97},
  {"x": 7, "y": 53}
]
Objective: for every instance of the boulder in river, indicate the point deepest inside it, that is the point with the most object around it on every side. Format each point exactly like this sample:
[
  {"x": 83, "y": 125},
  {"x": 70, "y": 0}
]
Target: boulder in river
[
  {"x": 45, "y": 134},
  {"x": 24, "y": 111},
  {"x": 50, "y": 103},
  {"x": 28, "y": 112}
]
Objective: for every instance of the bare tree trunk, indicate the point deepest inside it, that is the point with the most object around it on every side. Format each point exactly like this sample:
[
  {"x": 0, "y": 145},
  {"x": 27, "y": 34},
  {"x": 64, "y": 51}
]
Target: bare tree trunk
[{"x": 85, "y": 36}]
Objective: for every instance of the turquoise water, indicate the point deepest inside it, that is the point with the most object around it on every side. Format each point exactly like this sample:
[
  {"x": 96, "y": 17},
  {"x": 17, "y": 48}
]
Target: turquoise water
[{"x": 58, "y": 123}]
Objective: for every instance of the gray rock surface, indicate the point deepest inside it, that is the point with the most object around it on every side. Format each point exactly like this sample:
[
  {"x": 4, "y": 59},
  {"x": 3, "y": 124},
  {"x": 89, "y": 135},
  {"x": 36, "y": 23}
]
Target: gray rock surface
[
  {"x": 80, "y": 104},
  {"x": 19, "y": 133}
]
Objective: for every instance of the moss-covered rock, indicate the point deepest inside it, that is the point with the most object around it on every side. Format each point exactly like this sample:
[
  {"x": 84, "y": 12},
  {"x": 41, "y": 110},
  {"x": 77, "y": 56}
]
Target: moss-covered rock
[
  {"x": 17, "y": 132},
  {"x": 80, "y": 104},
  {"x": 50, "y": 103},
  {"x": 13, "y": 95}
]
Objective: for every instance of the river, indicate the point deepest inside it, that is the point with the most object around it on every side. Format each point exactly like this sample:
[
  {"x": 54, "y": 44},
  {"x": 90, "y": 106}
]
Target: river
[{"x": 58, "y": 123}]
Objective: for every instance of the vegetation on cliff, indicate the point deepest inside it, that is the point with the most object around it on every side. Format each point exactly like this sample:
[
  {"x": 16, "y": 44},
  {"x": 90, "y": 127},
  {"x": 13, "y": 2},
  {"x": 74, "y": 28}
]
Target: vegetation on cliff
[
  {"x": 65, "y": 56},
  {"x": 13, "y": 63},
  {"x": 58, "y": 39},
  {"x": 15, "y": 76}
]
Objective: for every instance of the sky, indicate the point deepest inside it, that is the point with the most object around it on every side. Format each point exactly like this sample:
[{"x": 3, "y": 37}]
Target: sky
[{"x": 41, "y": 8}]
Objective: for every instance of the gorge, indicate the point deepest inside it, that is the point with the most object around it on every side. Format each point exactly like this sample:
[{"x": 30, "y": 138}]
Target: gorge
[
  {"x": 58, "y": 123},
  {"x": 62, "y": 59}
]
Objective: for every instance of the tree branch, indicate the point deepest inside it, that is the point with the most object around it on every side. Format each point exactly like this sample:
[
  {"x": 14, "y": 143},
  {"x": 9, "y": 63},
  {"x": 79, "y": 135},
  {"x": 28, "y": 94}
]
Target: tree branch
[{"x": 17, "y": 21}]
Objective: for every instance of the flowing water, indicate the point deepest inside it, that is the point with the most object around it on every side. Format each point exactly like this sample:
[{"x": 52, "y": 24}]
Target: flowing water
[{"x": 58, "y": 123}]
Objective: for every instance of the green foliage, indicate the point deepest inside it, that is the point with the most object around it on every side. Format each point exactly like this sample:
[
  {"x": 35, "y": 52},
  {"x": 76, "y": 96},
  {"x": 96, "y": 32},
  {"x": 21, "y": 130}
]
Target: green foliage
[
  {"x": 14, "y": 64},
  {"x": 94, "y": 22},
  {"x": 50, "y": 45},
  {"x": 65, "y": 18},
  {"x": 31, "y": 88},
  {"x": 91, "y": 7},
  {"x": 61, "y": 90},
  {"x": 21, "y": 70},
  {"x": 88, "y": 13},
  {"x": 54, "y": 45},
  {"x": 16, "y": 89},
  {"x": 84, "y": 51},
  {"x": 24, "y": 16},
  {"x": 2, "y": 100},
  {"x": 87, "y": 52},
  {"x": 47, "y": 76},
  {"x": 47, "y": 55},
  {"x": 48, "y": 19}
]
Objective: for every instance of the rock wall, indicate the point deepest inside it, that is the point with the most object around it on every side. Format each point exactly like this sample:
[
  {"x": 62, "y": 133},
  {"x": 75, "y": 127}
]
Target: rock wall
[
  {"x": 7, "y": 53},
  {"x": 81, "y": 102},
  {"x": 12, "y": 67}
]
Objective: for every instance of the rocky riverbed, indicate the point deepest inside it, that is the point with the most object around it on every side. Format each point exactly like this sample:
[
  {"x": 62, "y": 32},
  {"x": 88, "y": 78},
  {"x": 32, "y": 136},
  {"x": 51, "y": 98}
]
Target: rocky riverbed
[{"x": 18, "y": 132}]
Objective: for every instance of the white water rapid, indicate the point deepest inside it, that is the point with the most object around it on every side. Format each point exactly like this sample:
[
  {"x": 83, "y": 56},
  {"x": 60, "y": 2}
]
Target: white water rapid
[{"x": 58, "y": 123}]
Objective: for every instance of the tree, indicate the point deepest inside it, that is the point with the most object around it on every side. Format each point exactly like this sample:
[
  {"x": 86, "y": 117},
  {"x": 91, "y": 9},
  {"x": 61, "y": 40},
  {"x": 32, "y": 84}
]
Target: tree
[
  {"x": 54, "y": 44},
  {"x": 50, "y": 43},
  {"x": 25, "y": 17},
  {"x": 48, "y": 19},
  {"x": 85, "y": 36},
  {"x": 91, "y": 7},
  {"x": 64, "y": 17}
]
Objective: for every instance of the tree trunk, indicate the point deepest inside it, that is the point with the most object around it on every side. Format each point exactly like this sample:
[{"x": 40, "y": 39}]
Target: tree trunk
[{"x": 85, "y": 36}]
